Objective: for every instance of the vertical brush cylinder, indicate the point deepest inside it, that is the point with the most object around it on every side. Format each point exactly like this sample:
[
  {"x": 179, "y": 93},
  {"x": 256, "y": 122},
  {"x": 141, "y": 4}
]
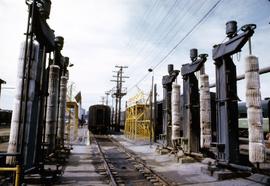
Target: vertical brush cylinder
[
  {"x": 175, "y": 112},
  {"x": 205, "y": 112},
  {"x": 62, "y": 110},
  {"x": 254, "y": 111},
  {"x": 19, "y": 97},
  {"x": 52, "y": 103}
]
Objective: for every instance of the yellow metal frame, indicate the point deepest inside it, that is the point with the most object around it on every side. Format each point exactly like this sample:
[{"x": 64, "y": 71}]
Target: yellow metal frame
[
  {"x": 16, "y": 169},
  {"x": 69, "y": 105},
  {"x": 137, "y": 124}
]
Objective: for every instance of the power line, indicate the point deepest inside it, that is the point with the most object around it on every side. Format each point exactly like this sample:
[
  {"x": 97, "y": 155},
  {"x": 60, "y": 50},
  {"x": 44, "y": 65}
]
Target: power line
[
  {"x": 175, "y": 34},
  {"x": 169, "y": 27},
  {"x": 173, "y": 28},
  {"x": 155, "y": 27},
  {"x": 191, "y": 30},
  {"x": 146, "y": 13},
  {"x": 173, "y": 49},
  {"x": 145, "y": 16}
]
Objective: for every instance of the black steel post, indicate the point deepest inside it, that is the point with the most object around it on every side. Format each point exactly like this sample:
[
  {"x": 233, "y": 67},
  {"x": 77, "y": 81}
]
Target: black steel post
[
  {"x": 191, "y": 100},
  {"x": 1, "y": 82},
  {"x": 227, "y": 111},
  {"x": 167, "y": 81},
  {"x": 226, "y": 91},
  {"x": 42, "y": 96},
  {"x": 27, "y": 63}
]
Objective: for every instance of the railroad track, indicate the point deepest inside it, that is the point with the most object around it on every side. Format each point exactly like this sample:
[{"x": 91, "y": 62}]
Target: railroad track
[{"x": 123, "y": 168}]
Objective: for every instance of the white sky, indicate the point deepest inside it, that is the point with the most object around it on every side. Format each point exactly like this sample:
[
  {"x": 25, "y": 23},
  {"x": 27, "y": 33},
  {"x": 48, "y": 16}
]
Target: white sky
[{"x": 100, "y": 34}]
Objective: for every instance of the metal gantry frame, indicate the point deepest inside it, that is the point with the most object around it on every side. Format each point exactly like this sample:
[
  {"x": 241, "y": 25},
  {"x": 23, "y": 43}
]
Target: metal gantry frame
[
  {"x": 137, "y": 124},
  {"x": 29, "y": 154},
  {"x": 75, "y": 125},
  {"x": 167, "y": 81},
  {"x": 226, "y": 91},
  {"x": 191, "y": 101}
]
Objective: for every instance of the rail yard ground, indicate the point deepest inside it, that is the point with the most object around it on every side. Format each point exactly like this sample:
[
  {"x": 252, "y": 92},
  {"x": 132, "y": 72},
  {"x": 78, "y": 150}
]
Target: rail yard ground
[{"x": 86, "y": 166}]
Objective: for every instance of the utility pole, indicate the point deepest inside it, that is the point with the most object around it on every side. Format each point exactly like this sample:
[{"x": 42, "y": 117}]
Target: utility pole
[
  {"x": 113, "y": 111},
  {"x": 151, "y": 108},
  {"x": 102, "y": 100},
  {"x": 1, "y": 82},
  {"x": 118, "y": 92},
  {"x": 155, "y": 112},
  {"x": 70, "y": 99},
  {"x": 107, "y": 93}
]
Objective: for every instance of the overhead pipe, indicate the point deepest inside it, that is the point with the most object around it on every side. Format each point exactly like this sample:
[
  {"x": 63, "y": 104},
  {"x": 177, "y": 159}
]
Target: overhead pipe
[{"x": 242, "y": 76}]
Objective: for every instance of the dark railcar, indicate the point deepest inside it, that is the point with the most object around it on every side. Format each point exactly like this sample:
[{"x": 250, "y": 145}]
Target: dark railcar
[
  {"x": 122, "y": 119},
  {"x": 99, "y": 119},
  {"x": 5, "y": 118},
  {"x": 243, "y": 122}
]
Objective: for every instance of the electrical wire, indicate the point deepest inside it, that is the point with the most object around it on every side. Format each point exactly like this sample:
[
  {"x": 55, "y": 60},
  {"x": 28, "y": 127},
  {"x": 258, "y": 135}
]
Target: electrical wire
[
  {"x": 154, "y": 28},
  {"x": 167, "y": 27},
  {"x": 178, "y": 44},
  {"x": 172, "y": 26},
  {"x": 175, "y": 34},
  {"x": 146, "y": 14},
  {"x": 156, "y": 5}
]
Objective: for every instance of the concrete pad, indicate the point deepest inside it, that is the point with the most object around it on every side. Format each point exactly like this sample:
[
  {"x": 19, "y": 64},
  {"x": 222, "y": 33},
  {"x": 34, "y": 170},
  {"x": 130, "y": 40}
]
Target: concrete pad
[
  {"x": 82, "y": 167},
  {"x": 181, "y": 174}
]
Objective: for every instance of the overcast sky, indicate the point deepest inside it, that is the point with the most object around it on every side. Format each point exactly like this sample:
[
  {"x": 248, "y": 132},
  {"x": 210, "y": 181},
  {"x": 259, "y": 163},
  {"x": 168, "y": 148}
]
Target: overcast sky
[{"x": 100, "y": 34}]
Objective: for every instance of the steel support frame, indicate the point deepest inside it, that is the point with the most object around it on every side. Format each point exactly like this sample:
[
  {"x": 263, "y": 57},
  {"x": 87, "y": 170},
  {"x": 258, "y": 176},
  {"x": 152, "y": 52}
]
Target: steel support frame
[
  {"x": 191, "y": 98},
  {"x": 191, "y": 101},
  {"x": 226, "y": 92},
  {"x": 227, "y": 110}
]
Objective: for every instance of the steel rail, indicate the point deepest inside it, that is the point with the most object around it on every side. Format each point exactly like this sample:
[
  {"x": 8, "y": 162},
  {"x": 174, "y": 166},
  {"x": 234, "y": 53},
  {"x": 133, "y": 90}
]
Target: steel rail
[
  {"x": 161, "y": 179},
  {"x": 107, "y": 167}
]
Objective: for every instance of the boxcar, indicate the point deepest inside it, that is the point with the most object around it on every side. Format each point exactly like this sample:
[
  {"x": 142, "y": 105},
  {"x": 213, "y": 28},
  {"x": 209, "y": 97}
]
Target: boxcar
[{"x": 99, "y": 119}]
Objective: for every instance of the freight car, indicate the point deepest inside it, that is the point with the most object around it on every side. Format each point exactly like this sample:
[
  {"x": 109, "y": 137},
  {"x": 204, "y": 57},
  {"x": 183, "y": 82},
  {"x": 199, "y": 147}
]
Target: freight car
[{"x": 99, "y": 119}]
